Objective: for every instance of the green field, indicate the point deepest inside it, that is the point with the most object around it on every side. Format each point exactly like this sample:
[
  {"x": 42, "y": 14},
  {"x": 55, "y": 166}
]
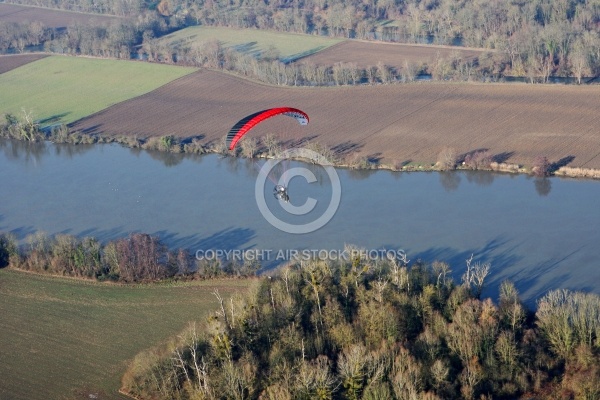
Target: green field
[
  {"x": 65, "y": 89},
  {"x": 64, "y": 338},
  {"x": 290, "y": 45}
]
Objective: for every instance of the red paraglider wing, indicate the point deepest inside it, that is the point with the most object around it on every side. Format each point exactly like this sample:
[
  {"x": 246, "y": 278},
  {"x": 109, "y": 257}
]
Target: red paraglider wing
[{"x": 247, "y": 123}]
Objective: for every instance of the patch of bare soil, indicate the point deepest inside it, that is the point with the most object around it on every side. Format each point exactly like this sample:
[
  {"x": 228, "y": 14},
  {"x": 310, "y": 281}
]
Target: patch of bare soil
[
  {"x": 8, "y": 62},
  {"x": 365, "y": 54},
  {"x": 390, "y": 123},
  {"x": 49, "y": 17}
]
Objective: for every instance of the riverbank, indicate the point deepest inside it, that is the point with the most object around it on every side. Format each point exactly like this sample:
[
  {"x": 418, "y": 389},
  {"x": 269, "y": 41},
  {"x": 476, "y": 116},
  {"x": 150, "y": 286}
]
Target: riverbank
[{"x": 172, "y": 144}]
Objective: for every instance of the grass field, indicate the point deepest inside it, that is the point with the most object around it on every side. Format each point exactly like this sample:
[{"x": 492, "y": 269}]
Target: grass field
[
  {"x": 291, "y": 46},
  {"x": 65, "y": 89},
  {"x": 62, "y": 338}
]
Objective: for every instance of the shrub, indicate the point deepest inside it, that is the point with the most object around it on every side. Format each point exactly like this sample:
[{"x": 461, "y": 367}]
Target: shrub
[
  {"x": 480, "y": 159},
  {"x": 541, "y": 166},
  {"x": 8, "y": 249}
]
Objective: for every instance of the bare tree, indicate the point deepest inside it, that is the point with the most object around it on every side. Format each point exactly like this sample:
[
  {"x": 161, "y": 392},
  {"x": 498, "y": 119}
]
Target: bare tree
[
  {"x": 446, "y": 159},
  {"x": 272, "y": 144},
  {"x": 351, "y": 369},
  {"x": 249, "y": 147},
  {"x": 409, "y": 72},
  {"x": 475, "y": 274},
  {"x": 383, "y": 73}
]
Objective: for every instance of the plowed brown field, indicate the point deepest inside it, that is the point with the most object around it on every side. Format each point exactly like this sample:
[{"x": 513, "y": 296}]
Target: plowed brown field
[
  {"x": 365, "y": 54},
  {"x": 50, "y": 18},
  {"x": 8, "y": 62},
  {"x": 397, "y": 123}
]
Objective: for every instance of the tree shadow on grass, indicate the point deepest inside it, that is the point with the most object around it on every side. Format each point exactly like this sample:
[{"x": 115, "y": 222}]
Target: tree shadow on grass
[
  {"x": 53, "y": 120},
  {"x": 247, "y": 48}
]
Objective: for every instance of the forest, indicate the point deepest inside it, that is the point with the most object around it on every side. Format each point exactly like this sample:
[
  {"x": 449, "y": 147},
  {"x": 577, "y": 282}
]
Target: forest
[
  {"x": 384, "y": 329},
  {"x": 356, "y": 327},
  {"x": 533, "y": 39}
]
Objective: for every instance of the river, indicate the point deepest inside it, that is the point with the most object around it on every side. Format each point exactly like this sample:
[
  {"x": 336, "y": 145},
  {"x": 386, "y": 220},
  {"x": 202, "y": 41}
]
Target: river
[{"x": 540, "y": 233}]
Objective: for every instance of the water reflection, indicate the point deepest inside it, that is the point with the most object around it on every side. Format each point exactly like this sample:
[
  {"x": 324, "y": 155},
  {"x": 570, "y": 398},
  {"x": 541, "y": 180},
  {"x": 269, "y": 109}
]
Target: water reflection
[
  {"x": 543, "y": 186},
  {"x": 360, "y": 174},
  {"x": 450, "y": 180},
  {"x": 32, "y": 153},
  {"x": 480, "y": 178},
  {"x": 70, "y": 151},
  {"x": 23, "y": 152},
  {"x": 167, "y": 158}
]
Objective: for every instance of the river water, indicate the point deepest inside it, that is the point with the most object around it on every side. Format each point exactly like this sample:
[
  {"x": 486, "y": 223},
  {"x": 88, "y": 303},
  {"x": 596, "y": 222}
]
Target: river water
[{"x": 540, "y": 233}]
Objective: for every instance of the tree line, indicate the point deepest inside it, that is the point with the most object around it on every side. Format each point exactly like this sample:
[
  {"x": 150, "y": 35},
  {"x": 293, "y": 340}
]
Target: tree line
[
  {"x": 378, "y": 329},
  {"x": 535, "y": 39},
  {"x": 137, "y": 258}
]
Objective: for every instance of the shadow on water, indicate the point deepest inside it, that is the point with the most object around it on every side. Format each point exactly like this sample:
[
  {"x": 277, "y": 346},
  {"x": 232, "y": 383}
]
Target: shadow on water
[
  {"x": 499, "y": 252},
  {"x": 544, "y": 277},
  {"x": 503, "y": 258},
  {"x": 225, "y": 239},
  {"x": 105, "y": 235},
  {"x": 22, "y": 232}
]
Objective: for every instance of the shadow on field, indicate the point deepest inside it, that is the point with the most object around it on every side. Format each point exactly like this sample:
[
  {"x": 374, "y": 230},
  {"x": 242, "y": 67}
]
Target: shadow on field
[
  {"x": 346, "y": 148},
  {"x": 299, "y": 142},
  {"x": 503, "y": 157},
  {"x": 462, "y": 157},
  {"x": 92, "y": 130},
  {"x": 247, "y": 48},
  {"x": 54, "y": 119},
  {"x": 303, "y": 54},
  {"x": 563, "y": 162}
]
